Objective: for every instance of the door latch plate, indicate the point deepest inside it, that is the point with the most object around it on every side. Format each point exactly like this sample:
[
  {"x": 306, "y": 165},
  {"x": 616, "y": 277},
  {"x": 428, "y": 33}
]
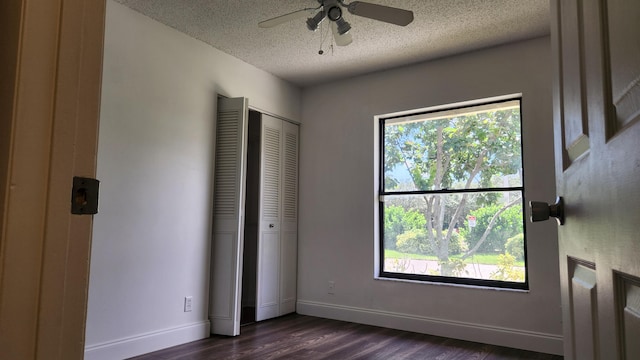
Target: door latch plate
[{"x": 84, "y": 196}]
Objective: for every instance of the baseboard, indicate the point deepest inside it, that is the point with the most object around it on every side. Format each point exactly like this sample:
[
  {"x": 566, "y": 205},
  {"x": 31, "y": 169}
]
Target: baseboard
[
  {"x": 514, "y": 338},
  {"x": 148, "y": 342}
]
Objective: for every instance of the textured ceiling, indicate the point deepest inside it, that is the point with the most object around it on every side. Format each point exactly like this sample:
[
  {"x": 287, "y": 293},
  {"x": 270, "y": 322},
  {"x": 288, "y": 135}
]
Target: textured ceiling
[{"x": 290, "y": 51}]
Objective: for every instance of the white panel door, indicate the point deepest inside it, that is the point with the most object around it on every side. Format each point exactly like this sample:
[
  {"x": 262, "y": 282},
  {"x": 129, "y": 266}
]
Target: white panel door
[
  {"x": 596, "y": 95},
  {"x": 270, "y": 215},
  {"x": 228, "y": 216}
]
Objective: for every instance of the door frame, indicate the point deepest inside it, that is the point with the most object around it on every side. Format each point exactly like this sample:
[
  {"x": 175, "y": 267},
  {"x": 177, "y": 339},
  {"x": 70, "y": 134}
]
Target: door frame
[{"x": 49, "y": 135}]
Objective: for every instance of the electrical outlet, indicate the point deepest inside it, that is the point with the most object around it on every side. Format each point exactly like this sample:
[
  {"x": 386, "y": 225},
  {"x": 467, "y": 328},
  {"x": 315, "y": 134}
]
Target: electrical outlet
[
  {"x": 331, "y": 288},
  {"x": 188, "y": 301}
]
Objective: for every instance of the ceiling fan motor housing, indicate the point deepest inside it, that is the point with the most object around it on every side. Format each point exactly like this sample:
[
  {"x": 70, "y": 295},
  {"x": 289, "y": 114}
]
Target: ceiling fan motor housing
[{"x": 334, "y": 13}]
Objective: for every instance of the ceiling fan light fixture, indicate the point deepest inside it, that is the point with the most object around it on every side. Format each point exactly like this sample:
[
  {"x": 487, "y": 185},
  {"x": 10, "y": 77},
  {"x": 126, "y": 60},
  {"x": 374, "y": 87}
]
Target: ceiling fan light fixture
[
  {"x": 312, "y": 23},
  {"x": 343, "y": 26},
  {"x": 333, "y": 9}
]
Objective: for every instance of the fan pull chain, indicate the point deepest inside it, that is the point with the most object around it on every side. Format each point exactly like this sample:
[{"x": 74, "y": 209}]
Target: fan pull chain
[
  {"x": 320, "y": 52},
  {"x": 323, "y": 37}
]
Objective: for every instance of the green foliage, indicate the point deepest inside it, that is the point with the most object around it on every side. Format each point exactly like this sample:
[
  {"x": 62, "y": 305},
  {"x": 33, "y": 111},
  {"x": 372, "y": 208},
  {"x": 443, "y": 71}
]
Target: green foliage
[
  {"x": 515, "y": 246},
  {"x": 453, "y": 266},
  {"x": 507, "y": 271},
  {"x": 458, "y": 142},
  {"x": 397, "y": 220},
  {"x": 473, "y": 150},
  {"x": 457, "y": 244},
  {"x": 508, "y": 224},
  {"x": 415, "y": 241}
]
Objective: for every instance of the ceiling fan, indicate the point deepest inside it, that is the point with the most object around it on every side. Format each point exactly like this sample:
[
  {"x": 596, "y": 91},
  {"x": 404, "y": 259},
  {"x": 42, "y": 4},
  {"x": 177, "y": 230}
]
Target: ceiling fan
[{"x": 332, "y": 10}]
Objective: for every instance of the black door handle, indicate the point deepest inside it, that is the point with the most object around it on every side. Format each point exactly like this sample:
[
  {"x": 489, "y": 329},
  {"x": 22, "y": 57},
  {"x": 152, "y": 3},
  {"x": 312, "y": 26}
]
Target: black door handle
[{"x": 541, "y": 211}]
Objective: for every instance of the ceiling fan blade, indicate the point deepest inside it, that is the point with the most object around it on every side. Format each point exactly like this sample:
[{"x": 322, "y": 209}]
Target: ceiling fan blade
[
  {"x": 380, "y": 12},
  {"x": 341, "y": 40},
  {"x": 286, "y": 17}
]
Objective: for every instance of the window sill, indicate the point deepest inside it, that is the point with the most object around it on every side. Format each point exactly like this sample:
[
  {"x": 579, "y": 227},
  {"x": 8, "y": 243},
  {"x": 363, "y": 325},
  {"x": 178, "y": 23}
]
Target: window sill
[{"x": 466, "y": 286}]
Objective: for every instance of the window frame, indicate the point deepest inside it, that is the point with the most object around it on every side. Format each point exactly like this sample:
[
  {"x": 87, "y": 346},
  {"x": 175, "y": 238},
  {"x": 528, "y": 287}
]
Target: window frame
[{"x": 381, "y": 193}]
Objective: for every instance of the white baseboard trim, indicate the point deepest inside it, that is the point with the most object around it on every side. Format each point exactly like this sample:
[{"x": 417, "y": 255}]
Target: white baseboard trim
[
  {"x": 148, "y": 342},
  {"x": 514, "y": 338}
]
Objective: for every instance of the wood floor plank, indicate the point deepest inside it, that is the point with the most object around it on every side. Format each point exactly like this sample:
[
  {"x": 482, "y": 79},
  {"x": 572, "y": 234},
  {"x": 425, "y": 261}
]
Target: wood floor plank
[{"x": 309, "y": 338}]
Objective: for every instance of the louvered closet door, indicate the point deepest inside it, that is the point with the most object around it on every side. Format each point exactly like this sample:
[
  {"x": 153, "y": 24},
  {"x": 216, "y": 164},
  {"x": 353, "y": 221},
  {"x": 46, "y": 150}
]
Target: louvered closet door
[
  {"x": 278, "y": 238},
  {"x": 289, "y": 229},
  {"x": 268, "y": 286},
  {"x": 228, "y": 216}
]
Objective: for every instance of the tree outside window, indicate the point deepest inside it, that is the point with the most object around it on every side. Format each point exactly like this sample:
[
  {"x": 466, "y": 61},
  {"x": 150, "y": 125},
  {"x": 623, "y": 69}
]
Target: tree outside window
[{"x": 451, "y": 196}]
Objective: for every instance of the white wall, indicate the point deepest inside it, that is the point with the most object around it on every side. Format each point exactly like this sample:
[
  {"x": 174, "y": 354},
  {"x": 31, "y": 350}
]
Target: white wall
[
  {"x": 155, "y": 162},
  {"x": 336, "y": 228}
]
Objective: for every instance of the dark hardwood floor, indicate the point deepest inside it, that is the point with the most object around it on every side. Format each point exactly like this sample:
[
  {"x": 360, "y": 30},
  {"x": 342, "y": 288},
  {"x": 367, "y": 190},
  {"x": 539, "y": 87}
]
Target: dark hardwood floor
[{"x": 306, "y": 337}]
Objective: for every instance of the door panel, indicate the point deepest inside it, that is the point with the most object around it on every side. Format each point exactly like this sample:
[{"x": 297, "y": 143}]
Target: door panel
[
  {"x": 624, "y": 57},
  {"x": 268, "y": 275},
  {"x": 222, "y": 298},
  {"x": 288, "y": 273},
  {"x": 228, "y": 216},
  {"x": 629, "y": 315},
  {"x": 289, "y": 251},
  {"x": 596, "y": 48},
  {"x": 277, "y": 264},
  {"x": 583, "y": 299},
  {"x": 576, "y": 138},
  {"x": 51, "y": 66},
  {"x": 270, "y": 196},
  {"x": 270, "y": 219}
]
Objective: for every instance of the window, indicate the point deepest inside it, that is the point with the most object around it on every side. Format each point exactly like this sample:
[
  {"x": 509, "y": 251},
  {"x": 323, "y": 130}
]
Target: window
[{"x": 451, "y": 195}]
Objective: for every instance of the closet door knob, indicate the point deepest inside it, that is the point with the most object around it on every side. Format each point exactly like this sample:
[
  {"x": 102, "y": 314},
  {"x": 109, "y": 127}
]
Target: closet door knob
[
  {"x": 541, "y": 211},
  {"x": 271, "y": 226}
]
